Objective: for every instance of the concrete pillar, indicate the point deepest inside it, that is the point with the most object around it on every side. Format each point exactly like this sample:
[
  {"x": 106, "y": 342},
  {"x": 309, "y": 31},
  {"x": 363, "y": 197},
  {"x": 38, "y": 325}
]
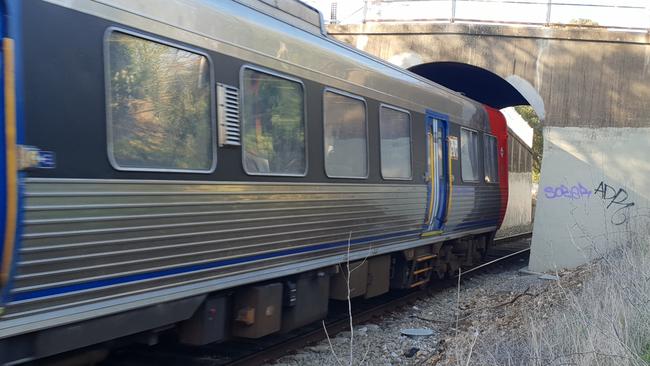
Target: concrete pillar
[{"x": 594, "y": 194}]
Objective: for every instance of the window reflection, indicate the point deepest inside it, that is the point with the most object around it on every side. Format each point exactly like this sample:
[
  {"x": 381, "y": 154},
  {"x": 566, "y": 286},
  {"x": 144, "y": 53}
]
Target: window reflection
[
  {"x": 469, "y": 155},
  {"x": 159, "y": 101},
  {"x": 273, "y": 125},
  {"x": 346, "y": 151},
  {"x": 395, "y": 130},
  {"x": 490, "y": 161}
]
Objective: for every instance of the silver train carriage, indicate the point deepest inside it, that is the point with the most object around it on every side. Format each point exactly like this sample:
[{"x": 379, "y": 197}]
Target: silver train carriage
[{"x": 207, "y": 165}]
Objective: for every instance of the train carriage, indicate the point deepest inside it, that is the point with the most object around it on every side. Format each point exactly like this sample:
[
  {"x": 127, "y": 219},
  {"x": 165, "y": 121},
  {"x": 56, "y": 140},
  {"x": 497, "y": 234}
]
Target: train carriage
[{"x": 164, "y": 162}]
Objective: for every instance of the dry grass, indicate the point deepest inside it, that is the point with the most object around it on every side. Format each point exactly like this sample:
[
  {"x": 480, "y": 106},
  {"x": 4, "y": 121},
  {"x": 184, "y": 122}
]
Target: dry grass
[
  {"x": 597, "y": 315},
  {"x": 607, "y": 322}
]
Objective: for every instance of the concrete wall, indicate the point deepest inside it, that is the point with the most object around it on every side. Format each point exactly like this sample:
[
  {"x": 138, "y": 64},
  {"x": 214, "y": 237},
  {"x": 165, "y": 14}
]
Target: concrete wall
[
  {"x": 519, "y": 212},
  {"x": 583, "y": 77},
  {"x": 518, "y": 218},
  {"x": 594, "y": 193}
]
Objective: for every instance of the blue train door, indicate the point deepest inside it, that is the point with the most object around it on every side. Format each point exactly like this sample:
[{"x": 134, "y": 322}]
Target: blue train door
[{"x": 437, "y": 173}]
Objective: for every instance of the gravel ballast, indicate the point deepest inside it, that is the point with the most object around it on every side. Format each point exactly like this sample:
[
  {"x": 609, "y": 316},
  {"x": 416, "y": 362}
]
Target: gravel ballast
[{"x": 481, "y": 295}]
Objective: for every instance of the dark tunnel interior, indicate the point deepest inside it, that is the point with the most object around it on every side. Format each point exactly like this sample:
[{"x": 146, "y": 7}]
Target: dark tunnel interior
[{"x": 474, "y": 82}]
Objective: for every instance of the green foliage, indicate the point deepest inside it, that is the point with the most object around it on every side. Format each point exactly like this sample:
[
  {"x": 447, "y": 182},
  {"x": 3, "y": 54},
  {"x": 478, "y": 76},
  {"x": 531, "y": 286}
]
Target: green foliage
[
  {"x": 273, "y": 126},
  {"x": 535, "y": 176},
  {"x": 646, "y": 354},
  {"x": 529, "y": 115}
]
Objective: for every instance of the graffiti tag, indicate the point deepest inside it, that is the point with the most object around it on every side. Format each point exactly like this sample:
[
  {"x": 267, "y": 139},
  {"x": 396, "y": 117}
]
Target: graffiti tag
[
  {"x": 616, "y": 199},
  {"x": 575, "y": 192}
]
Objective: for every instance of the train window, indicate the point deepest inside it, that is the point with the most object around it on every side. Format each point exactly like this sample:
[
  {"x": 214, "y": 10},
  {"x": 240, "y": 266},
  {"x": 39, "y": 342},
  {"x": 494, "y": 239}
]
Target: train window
[
  {"x": 346, "y": 136},
  {"x": 159, "y": 103},
  {"x": 469, "y": 155},
  {"x": 395, "y": 132},
  {"x": 490, "y": 159},
  {"x": 273, "y": 116}
]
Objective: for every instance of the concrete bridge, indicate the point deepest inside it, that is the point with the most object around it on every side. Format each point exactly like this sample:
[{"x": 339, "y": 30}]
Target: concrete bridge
[{"x": 591, "y": 87}]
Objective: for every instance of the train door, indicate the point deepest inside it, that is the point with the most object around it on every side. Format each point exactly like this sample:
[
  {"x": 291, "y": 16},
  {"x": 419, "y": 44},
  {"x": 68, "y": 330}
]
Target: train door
[{"x": 437, "y": 173}]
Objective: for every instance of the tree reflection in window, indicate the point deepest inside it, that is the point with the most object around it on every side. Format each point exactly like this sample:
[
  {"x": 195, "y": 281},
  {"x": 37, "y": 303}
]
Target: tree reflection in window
[
  {"x": 159, "y": 104},
  {"x": 273, "y": 124}
]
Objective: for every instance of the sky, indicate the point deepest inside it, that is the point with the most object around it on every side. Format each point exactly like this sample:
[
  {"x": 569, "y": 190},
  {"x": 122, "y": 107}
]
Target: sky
[{"x": 612, "y": 13}]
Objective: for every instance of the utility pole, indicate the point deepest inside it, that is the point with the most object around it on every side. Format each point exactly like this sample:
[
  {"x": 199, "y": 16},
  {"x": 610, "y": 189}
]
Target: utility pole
[
  {"x": 453, "y": 11},
  {"x": 548, "y": 13},
  {"x": 647, "y": 11},
  {"x": 365, "y": 10}
]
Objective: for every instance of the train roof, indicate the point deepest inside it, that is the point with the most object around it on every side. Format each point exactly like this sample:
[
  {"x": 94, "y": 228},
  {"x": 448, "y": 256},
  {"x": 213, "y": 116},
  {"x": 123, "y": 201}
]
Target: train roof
[
  {"x": 294, "y": 12},
  {"x": 288, "y": 36}
]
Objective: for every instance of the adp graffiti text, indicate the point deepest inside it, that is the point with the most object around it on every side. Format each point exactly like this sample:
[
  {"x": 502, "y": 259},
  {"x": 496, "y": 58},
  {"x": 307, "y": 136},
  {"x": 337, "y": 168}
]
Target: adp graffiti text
[{"x": 617, "y": 200}]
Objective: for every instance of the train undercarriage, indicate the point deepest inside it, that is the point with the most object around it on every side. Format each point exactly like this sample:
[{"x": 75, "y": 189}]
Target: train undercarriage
[{"x": 256, "y": 310}]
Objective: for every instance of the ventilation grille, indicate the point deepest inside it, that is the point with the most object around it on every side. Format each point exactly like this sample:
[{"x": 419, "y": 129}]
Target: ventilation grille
[{"x": 228, "y": 115}]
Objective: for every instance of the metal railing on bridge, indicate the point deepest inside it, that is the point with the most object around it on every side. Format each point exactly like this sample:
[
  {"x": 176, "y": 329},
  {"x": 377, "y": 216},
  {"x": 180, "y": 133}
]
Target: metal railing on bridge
[{"x": 623, "y": 14}]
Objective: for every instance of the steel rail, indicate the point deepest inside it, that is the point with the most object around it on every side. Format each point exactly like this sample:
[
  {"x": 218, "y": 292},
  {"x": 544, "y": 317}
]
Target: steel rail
[
  {"x": 513, "y": 237},
  {"x": 494, "y": 261}
]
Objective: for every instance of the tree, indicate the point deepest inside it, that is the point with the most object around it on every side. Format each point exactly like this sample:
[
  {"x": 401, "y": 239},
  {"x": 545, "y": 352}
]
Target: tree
[{"x": 528, "y": 114}]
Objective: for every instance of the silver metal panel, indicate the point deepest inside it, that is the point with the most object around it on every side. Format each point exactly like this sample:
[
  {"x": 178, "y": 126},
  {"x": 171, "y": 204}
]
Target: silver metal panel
[
  {"x": 294, "y": 12},
  {"x": 472, "y": 206},
  {"x": 86, "y": 241},
  {"x": 106, "y": 306}
]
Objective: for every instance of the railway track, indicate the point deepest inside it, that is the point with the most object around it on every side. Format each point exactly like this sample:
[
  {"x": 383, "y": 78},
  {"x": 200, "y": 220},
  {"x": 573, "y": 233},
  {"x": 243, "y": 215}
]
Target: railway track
[{"x": 256, "y": 352}]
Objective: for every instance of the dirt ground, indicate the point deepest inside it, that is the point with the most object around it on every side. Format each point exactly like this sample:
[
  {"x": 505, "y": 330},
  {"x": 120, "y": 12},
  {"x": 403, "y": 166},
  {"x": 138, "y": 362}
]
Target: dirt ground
[
  {"x": 493, "y": 307},
  {"x": 492, "y": 325}
]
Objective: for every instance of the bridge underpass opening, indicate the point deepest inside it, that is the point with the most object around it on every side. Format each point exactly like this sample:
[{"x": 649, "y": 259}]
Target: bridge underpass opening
[
  {"x": 482, "y": 85},
  {"x": 474, "y": 82},
  {"x": 492, "y": 90}
]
